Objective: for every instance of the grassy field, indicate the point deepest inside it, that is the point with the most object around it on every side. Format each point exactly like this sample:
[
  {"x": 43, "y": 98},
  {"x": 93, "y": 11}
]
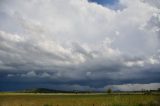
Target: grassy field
[{"x": 16, "y": 99}]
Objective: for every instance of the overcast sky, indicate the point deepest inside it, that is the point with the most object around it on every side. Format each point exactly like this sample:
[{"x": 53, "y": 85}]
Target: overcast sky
[{"x": 80, "y": 44}]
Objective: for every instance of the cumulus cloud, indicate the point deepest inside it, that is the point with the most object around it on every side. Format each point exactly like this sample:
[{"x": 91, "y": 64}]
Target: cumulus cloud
[{"x": 80, "y": 42}]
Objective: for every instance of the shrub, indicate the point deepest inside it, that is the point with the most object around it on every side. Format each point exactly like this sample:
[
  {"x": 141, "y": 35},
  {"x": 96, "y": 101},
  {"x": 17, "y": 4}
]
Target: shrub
[{"x": 109, "y": 90}]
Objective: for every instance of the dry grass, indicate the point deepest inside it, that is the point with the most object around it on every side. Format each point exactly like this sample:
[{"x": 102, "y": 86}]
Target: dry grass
[{"x": 79, "y": 100}]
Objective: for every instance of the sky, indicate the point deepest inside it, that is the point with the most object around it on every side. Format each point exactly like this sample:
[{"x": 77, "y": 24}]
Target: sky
[
  {"x": 80, "y": 44},
  {"x": 104, "y": 2}
]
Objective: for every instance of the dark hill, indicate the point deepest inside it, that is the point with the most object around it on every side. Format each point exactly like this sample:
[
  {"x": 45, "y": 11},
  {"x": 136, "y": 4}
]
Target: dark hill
[{"x": 42, "y": 90}]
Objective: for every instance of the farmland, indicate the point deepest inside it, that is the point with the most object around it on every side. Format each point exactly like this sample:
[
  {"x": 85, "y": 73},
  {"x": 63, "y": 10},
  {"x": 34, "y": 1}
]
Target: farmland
[{"x": 31, "y": 99}]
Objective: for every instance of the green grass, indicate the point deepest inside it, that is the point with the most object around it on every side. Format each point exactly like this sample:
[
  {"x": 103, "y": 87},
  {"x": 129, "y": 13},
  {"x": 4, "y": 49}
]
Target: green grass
[{"x": 16, "y": 99}]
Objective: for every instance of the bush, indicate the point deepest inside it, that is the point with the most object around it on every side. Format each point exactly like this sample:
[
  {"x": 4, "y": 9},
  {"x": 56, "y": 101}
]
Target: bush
[{"x": 109, "y": 90}]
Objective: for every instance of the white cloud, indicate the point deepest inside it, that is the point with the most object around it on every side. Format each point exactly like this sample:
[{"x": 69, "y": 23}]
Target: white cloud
[
  {"x": 134, "y": 87},
  {"x": 44, "y": 75},
  {"x": 29, "y": 74}
]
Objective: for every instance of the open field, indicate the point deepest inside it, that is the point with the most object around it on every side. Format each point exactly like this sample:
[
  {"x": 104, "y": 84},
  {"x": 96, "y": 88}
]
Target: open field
[{"x": 17, "y": 99}]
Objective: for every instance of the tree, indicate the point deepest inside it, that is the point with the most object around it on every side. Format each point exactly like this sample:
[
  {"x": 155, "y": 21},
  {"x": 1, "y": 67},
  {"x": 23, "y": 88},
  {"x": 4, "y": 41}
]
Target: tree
[{"x": 109, "y": 90}]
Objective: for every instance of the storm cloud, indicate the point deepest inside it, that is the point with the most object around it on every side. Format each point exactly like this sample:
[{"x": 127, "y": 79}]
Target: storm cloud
[{"x": 79, "y": 44}]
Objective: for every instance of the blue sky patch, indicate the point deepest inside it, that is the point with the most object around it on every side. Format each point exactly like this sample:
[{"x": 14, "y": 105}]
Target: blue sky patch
[{"x": 104, "y": 2}]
